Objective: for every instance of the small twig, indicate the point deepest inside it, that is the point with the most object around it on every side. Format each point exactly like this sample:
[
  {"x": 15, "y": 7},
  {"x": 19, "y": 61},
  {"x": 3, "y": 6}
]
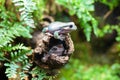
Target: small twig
[{"x": 107, "y": 14}]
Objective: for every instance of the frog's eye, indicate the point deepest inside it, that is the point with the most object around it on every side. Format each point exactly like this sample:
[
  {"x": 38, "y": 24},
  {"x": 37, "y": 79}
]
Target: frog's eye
[{"x": 71, "y": 26}]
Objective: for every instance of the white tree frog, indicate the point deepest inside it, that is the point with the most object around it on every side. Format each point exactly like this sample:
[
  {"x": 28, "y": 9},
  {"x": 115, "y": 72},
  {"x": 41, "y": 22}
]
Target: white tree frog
[{"x": 59, "y": 29}]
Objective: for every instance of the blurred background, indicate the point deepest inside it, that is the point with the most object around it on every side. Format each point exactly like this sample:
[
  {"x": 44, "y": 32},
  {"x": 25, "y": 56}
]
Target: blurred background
[{"x": 96, "y": 41}]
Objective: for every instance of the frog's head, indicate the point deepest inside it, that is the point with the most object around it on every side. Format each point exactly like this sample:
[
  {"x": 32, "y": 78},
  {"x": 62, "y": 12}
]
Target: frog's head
[{"x": 67, "y": 27}]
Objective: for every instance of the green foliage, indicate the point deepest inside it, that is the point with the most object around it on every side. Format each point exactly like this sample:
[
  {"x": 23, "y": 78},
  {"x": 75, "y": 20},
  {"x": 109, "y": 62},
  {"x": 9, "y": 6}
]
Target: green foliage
[
  {"x": 39, "y": 74},
  {"x": 116, "y": 68},
  {"x": 11, "y": 71},
  {"x": 117, "y": 28},
  {"x": 40, "y": 5},
  {"x": 79, "y": 71},
  {"x": 2, "y": 58},
  {"x": 111, "y": 3},
  {"x": 10, "y": 30},
  {"x": 105, "y": 30},
  {"x": 15, "y": 55},
  {"x": 18, "y": 54},
  {"x": 26, "y": 7},
  {"x": 25, "y": 66},
  {"x": 82, "y": 9}
]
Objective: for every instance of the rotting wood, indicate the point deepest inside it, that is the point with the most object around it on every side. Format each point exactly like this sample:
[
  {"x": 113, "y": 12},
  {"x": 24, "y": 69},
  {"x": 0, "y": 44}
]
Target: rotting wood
[{"x": 47, "y": 58}]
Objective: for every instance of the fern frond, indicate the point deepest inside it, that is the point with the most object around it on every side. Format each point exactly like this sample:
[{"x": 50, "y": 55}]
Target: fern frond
[
  {"x": 38, "y": 73},
  {"x": 17, "y": 30},
  {"x": 26, "y": 7},
  {"x": 18, "y": 52},
  {"x": 11, "y": 28},
  {"x": 11, "y": 70},
  {"x": 26, "y": 65},
  {"x": 19, "y": 46},
  {"x": 10, "y": 47},
  {"x": 2, "y": 58},
  {"x": 5, "y": 37},
  {"x": 19, "y": 56},
  {"x": 22, "y": 75}
]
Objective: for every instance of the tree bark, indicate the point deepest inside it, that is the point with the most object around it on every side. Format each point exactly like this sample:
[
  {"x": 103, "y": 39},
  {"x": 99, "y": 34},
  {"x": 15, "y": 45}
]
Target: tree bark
[{"x": 51, "y": 53}]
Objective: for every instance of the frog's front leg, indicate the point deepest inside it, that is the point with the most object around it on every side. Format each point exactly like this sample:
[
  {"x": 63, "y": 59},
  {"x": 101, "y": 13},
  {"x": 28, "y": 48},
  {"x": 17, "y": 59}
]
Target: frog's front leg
[{"x": 56, "y": 35}]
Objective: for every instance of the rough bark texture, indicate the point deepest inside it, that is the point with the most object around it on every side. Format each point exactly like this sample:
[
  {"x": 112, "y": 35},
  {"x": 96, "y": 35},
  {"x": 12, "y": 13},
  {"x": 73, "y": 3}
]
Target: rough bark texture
[{"x": 51, "y": 53}]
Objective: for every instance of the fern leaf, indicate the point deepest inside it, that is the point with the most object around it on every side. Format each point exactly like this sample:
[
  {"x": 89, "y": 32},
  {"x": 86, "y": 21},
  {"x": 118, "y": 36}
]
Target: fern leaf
[
  {"x": 39, "y": 73},
  {"x": 19, "y": 46},
  {"x": 22, "y": 75},
  {"x": 11, "y": 70},
  {"x": 7, "y": 36},
  {"x": 26, "y": 9},
  {"x": 19, "y": 56},
  {"x": 26, "y": 65},
  {"x": 2, "y": 58}
]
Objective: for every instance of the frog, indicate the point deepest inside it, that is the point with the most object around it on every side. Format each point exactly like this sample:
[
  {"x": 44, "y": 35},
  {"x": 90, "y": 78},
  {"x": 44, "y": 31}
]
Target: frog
[{"x": 59, "y": 29}]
